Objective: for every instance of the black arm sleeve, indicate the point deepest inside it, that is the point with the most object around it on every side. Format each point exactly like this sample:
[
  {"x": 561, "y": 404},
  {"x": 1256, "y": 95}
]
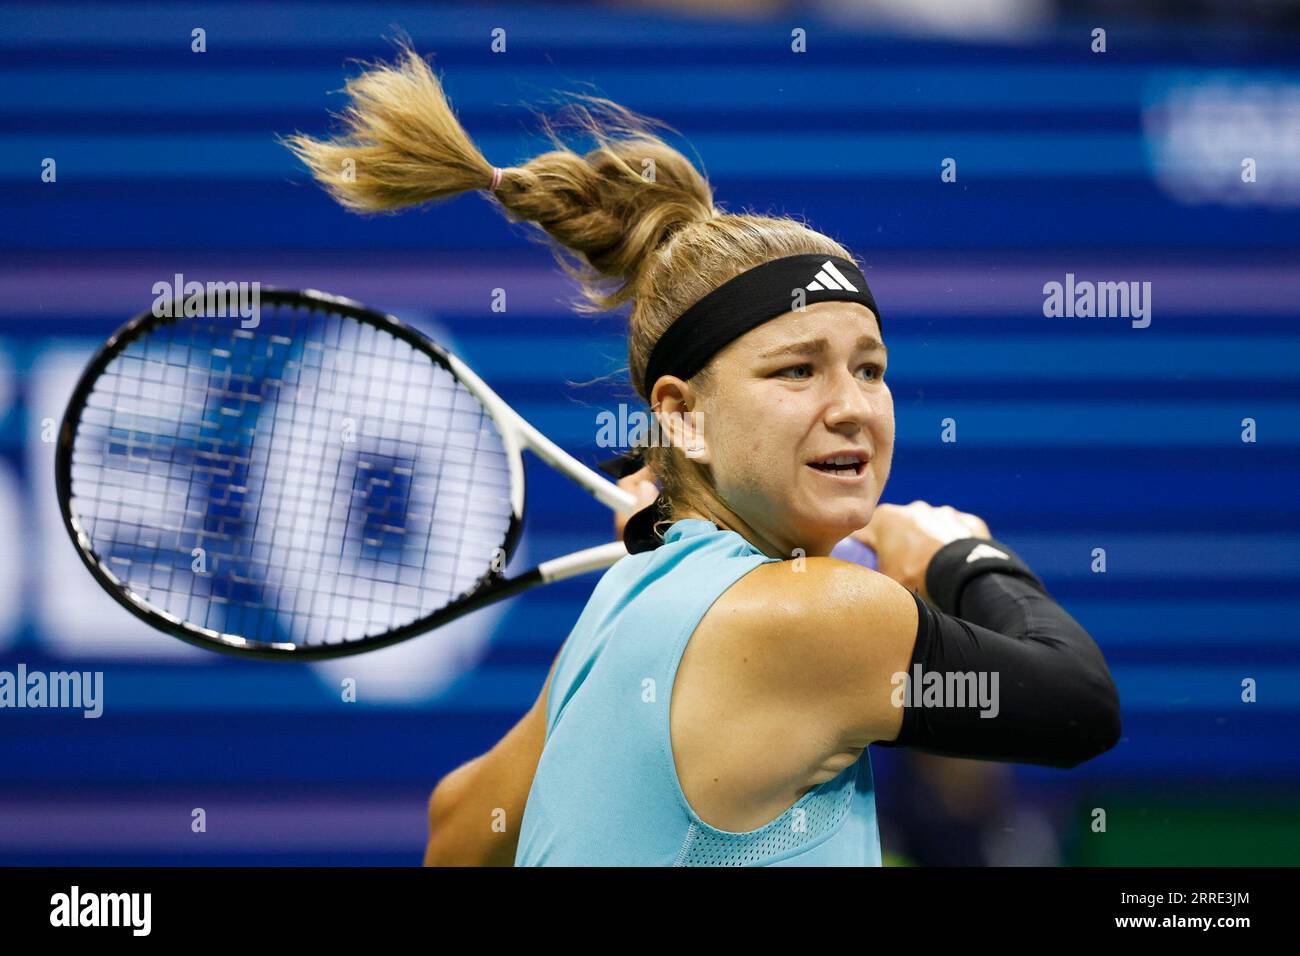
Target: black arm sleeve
[{"x": 1048, "y": 697}]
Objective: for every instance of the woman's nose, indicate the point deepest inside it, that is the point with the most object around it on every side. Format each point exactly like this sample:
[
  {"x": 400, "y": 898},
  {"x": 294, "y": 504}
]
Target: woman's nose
[{"x": 851, "y": 400}]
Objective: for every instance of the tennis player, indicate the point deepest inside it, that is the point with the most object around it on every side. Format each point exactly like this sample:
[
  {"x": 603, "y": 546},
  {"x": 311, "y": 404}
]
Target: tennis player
[{"x": 716, "y": 699}]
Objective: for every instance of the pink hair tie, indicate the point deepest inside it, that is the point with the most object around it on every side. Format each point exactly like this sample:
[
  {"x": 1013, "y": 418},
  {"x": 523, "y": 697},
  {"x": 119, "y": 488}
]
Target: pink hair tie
[{"x": 496, "y": 179}]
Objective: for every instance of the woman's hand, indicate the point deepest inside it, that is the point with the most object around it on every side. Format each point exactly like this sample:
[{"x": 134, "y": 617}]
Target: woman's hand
[
  {"x": 642, "y": 484},
  {"x": 906, "y": 537}
]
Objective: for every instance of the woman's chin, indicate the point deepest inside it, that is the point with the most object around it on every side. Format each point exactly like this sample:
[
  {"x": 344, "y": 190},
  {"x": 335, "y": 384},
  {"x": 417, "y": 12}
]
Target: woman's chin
[{"x": 842, "y": 521}]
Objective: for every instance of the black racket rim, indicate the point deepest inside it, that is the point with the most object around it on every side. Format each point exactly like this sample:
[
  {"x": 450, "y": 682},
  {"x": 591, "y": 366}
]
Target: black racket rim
[{"x": 492, "y": 586}]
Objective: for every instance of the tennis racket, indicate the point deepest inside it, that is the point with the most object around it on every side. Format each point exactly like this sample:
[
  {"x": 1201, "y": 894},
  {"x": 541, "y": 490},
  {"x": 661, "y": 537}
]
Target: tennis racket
[{"x": 325, "y": 482}]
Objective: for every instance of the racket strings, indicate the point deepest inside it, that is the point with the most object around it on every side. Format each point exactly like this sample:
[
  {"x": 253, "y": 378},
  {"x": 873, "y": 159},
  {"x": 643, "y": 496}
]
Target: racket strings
[{"x": 313, "y": 480}]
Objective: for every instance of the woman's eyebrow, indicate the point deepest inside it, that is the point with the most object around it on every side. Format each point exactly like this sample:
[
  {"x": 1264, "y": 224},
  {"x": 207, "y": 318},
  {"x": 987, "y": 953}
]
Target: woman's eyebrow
[{"x": 868, "y": 343}]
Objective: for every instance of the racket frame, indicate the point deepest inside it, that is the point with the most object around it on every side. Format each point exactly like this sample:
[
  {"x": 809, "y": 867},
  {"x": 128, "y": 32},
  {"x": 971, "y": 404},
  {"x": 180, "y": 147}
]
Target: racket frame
[{"x": 516, "y": 434}]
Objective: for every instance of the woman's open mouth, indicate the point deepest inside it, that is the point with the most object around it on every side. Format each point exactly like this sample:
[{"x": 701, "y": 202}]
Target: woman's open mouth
[{"x": 844, "y": 465}]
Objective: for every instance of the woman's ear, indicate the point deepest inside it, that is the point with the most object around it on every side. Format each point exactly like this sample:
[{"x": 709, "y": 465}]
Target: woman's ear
[{"x": 681, "y": 422}]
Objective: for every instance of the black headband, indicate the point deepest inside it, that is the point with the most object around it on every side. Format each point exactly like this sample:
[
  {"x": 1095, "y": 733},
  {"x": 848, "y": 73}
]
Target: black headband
[
  {"x": 746, "y": 302},
  {"x": 724, "y": 315}
]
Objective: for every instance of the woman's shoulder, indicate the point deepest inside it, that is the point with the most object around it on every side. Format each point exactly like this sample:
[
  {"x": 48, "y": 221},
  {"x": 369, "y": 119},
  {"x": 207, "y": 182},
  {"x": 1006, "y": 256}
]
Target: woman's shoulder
[
  {"x": 804, "y": 587},
  {"x": 819, "y": 608}
]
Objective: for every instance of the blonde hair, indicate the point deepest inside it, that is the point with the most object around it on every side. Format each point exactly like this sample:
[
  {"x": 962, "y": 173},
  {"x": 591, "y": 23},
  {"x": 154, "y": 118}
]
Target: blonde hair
[{"x": 657, "y": 242}]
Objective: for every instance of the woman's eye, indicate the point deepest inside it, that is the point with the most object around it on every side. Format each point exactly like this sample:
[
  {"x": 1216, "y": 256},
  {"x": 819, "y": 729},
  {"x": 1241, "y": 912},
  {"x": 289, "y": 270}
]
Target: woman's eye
[{"x": 805, "y": 370}]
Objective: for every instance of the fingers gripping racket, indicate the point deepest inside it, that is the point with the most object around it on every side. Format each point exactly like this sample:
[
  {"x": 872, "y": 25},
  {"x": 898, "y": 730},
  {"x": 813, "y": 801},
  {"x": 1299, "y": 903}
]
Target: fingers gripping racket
[{"x": 324, "y": 482}]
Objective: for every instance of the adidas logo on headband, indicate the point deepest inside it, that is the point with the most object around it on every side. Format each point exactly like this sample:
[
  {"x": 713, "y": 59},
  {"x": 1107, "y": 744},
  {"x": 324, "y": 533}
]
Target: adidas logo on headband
[
  {"x": 748, "y": 300},
  {"x": 830, "y": 278}
]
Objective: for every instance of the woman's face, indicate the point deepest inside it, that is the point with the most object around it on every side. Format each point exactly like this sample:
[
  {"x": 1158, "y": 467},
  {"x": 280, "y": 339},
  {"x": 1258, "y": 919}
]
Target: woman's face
[{"x": 788, "y": 397}]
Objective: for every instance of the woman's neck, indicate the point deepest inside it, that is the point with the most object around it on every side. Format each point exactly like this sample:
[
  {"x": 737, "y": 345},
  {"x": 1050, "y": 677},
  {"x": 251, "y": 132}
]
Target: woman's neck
[{"x": 722, "y": 516}]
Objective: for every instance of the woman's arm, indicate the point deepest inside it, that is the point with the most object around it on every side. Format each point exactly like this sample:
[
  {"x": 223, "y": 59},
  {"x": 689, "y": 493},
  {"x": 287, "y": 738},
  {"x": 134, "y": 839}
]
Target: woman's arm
[
  {"x": 1044, "y": 692},
  {"x": 853, "y": 658},
  {"x": 476, "y": 810}
]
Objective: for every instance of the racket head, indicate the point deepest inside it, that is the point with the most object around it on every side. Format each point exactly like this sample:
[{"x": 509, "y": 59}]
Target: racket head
[{"x": 156, "y": 576}]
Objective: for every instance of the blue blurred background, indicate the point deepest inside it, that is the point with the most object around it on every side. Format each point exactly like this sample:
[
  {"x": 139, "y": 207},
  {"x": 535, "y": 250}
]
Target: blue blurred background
[{"x": 1073, "y": 433}]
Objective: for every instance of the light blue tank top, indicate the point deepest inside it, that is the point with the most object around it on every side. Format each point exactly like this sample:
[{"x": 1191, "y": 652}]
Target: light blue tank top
[{"x": 606, "y": 791}]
